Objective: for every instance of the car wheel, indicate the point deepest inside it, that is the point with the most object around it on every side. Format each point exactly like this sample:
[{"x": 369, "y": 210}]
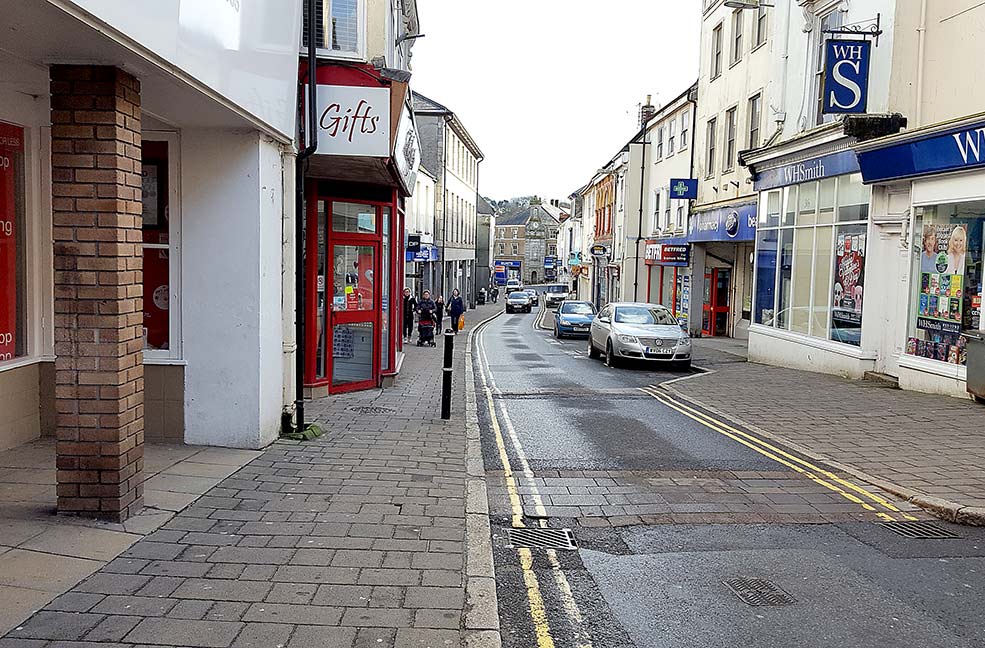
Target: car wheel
[
  {"x": 593, "y": 353},
  {"x": 610, "y": 357}
]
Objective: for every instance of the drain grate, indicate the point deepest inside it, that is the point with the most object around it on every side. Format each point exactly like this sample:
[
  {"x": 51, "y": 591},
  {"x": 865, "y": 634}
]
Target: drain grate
[
  {"x": 921, "y": 530},
  {"x": 372, "y": 409},
  {"x": 542, "y": 538},
  {"x": 759, "y": 592}
]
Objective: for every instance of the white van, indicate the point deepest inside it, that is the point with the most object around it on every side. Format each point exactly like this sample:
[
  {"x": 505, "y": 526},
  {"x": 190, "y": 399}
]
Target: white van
[{"x": 513, "y": 284}]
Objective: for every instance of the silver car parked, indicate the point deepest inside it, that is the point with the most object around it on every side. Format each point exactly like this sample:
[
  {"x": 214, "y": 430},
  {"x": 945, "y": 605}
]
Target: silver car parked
[{"x": 650, "y": 332}]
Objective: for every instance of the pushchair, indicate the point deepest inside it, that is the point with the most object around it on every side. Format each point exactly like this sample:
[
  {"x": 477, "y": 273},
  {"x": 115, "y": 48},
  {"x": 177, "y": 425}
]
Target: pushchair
[{"x": 425, "y": 329}]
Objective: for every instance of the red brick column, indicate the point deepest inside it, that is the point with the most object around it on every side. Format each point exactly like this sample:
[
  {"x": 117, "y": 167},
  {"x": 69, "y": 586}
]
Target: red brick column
[{"x": 95, "y": 168}]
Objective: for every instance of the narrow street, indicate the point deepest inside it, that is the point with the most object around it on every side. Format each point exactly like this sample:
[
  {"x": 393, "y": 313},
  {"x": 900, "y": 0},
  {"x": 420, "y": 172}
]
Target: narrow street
[{"x": 667, "y": 505}]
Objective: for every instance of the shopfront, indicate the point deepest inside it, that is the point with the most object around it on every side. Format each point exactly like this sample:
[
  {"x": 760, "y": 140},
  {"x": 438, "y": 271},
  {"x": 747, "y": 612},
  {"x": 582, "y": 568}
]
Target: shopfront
[
  {"x": 812, "y": 248},
  {"x": 721, "y": 273},
  {"x": 668, "y": 279},
  {"x": 940, "y": 171},
  {"x": 357, "y": 181}
]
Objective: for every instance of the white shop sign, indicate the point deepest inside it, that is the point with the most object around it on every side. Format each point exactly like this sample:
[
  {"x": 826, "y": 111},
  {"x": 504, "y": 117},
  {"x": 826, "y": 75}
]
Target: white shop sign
[{"x": 353, "y": 121}]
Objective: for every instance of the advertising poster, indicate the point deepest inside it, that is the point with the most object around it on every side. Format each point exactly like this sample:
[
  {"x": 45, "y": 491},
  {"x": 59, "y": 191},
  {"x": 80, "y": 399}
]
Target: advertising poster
[
  {"x": 849, "y": 280},
  {"x": 942, "y": 265},
  {"x": 11, "y": 166}
]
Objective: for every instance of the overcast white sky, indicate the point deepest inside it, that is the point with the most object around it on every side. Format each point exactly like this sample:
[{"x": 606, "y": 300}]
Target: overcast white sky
[{"x": 550, "y": 89}]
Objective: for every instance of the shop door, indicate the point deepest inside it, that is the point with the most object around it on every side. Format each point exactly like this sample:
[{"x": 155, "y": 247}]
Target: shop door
[
  {"x": 354, "y": 315},
  {"x": 715, "y": 310}
]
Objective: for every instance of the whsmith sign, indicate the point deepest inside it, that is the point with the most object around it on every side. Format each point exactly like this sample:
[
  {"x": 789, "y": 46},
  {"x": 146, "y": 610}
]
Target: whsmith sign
[
  {"x": 955, "y": 149},
  {"x": 826, "y": 166},
  {"x": 846, "y": 76}
]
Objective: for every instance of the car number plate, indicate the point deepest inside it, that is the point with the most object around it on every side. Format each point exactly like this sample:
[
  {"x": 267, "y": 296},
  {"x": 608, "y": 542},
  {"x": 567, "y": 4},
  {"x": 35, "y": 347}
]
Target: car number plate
[
  {"x": 659, "y": 350},
  {"x": 581, "y": 327}
]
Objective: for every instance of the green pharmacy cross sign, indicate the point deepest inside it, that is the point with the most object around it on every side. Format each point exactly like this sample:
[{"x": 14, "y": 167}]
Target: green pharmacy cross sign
[{"x": 684, "y": 188}]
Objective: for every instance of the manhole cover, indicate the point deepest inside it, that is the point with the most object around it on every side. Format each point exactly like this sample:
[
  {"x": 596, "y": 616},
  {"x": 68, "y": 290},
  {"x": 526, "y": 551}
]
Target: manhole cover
[
  {"x": 372, "y": 409},
  {"x": 921, "y": 530},
  {"x": 759, "y": 592},
  {"x": 542, "y": 538}
]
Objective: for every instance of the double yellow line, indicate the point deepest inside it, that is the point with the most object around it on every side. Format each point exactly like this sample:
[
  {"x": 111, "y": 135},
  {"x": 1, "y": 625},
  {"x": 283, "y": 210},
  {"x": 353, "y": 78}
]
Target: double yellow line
[
  {"x": 538, "y": 612},
  {"x": 852, "y": 492}
]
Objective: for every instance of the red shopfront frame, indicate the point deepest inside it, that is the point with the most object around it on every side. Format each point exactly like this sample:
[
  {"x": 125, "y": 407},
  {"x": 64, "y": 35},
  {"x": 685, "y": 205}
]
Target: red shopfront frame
[{"x": 326, "y": 325}]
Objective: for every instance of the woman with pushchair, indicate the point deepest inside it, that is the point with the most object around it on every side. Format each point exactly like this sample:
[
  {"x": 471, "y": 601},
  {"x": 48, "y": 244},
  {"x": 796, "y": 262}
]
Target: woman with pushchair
[{"x": 426, "y": 309}]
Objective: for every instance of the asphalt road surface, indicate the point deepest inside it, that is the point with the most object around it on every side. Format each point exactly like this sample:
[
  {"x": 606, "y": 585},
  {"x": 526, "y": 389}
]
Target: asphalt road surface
[{"x": 690, "y": 530}]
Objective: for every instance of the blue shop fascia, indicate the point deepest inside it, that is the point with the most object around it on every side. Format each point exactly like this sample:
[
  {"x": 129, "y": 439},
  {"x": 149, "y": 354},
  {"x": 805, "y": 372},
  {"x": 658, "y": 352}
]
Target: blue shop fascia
[{"x": 928, "y": 194}]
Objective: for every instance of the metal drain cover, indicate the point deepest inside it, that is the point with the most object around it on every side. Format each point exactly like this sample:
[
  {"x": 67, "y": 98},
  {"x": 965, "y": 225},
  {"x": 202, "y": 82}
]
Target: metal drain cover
[
  {"x": 759, "y": 592},
  {"x": 372, "y": 409},
  {"x": 920, "y": 530},
  {"x": 542, "y": 538}
]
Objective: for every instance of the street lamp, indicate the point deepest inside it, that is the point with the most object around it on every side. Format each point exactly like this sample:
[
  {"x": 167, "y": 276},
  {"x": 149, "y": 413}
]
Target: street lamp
[{"x": 746, "y": 4}]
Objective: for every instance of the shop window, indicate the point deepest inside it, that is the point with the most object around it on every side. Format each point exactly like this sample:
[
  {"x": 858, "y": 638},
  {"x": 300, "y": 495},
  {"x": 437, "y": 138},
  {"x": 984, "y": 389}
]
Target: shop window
[
  {"x": 160, "y": 232},
  {"x": 353, "y": 278},
  {"x": 810, "y": 272},
  {"x": 13, "y": 246},
  {"x": 354, "y": 218},
  {"x": 385, "y": 294},
  {"x": 321, "y": 292},
  {"x": 338, "y": 28},
  {"x": 946, "y": 280}
]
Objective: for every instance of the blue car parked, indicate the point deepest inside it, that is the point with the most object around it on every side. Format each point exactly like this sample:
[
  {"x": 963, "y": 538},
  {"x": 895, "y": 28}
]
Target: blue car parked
[{"x": 573, "y": 318}]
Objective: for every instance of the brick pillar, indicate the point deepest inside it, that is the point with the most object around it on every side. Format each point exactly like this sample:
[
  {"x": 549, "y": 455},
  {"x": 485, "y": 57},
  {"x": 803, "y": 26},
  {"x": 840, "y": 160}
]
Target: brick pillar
[{"x": 95, "y": 169}]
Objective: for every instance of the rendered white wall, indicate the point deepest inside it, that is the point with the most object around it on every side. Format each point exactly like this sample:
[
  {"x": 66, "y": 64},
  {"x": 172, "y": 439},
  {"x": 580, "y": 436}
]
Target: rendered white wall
[{"x": 231, "y": 307}]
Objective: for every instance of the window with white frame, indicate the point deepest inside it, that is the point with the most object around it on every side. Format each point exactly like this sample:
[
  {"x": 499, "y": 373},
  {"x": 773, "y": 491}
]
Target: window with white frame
[
  {"x": 516, "y": 249},
  {"x": 502, "y": 248},
  {"x": 680, "y": 217},
  {"x": 338, "y": 27},
  {"x": 161, "y": 235},
  {"x": 716, "y": 51},
  {"x": 762, "y": 25},
  {"x": 755, "y": 117},
  {"x": 660, "y": 142},
  {"x": 685, "y": 126},
  {"x": 710, "y": 150},
  {"x": 730, "y": 117},
  {"x": 831, "y": 20},
  {"x": 655, "y": 219},
  {"x": 671, "y": 136},
  {"x": 737, "y": 22}
]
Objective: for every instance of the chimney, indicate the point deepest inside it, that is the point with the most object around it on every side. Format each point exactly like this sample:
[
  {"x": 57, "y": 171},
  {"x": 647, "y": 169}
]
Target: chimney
[{"x": 647, "y": 111}]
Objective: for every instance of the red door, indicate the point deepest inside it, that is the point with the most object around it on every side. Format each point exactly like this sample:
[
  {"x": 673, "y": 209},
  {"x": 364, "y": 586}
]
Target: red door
[{"x": 715, "y": 309}]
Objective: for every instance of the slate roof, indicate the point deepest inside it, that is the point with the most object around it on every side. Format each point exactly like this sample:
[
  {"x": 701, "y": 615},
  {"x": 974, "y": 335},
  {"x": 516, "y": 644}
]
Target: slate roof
[
  {"x": 482, "y": 206},
  {"x": 423, "y": 104},
  {"x": 521, "y": 217}
]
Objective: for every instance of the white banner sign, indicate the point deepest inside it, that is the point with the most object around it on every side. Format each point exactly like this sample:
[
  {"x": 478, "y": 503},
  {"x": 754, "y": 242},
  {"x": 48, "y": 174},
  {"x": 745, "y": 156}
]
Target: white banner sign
[{"x": 353, "y": 121}]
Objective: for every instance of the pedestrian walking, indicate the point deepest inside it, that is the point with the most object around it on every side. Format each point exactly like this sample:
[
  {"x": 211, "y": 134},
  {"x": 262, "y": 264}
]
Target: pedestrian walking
[
  {"x": 410, "y": 308},
  {"x": 456, "y": 307},
  {"x": 427, "y": 310},
  {"x": 439, "y": 312}
]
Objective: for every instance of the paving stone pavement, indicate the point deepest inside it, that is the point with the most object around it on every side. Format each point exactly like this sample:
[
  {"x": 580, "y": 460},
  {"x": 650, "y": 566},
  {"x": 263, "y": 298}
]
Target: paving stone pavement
[
  {"x": 916, "y": 444},
  {"x": 356, "y": 539}
]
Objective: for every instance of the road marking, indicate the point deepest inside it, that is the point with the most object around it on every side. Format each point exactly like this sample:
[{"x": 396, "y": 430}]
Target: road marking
[
  {"x": 827, "y": 473},
  {"x": 780, "y": 456},
  {"x": 536, "y": 603}
]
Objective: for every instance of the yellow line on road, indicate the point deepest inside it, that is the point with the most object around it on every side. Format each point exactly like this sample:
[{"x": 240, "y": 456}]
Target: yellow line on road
[
  {"x": 538, "y": 614},
  {"x": 827, "y": 473},
  {"x": 721, "y": 429}
]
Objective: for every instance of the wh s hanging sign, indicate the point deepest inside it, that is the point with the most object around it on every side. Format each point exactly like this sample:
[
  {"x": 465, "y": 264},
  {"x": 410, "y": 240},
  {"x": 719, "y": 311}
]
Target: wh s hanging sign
[{"x": 846, "y": 76}]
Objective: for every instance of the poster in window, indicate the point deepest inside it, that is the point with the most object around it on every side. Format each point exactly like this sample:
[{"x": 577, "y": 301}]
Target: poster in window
[
  {"x": 849, "y": 280},
  {"x": 942, "y": 269},
  {"x": 149, "y": 195},
  {"x": 11, "y": 166}
]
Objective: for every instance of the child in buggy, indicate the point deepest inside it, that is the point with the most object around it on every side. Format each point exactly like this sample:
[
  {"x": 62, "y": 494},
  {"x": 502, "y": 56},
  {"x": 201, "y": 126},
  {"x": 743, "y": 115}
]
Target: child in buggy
[{"x": 426, "y": 320}]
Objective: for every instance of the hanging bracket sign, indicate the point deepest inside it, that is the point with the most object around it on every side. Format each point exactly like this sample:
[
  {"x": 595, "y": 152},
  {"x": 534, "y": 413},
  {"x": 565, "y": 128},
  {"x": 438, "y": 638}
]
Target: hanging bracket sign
[{"x": 600, "y": 250}]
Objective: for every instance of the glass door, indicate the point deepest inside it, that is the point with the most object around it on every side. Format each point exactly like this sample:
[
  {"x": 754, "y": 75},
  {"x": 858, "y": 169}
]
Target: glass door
[
  {"x": 715, "y": 310},
  {"x": 353, "y": 316}
]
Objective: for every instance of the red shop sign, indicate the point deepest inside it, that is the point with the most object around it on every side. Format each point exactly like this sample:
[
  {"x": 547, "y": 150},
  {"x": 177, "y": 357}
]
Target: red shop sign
[{"x": 11, "y": 166}]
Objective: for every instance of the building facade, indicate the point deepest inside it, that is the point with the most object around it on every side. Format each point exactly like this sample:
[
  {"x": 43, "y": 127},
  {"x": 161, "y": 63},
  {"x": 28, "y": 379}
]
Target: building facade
[
  {"x": 526, "y": 244},
  {"x": 485, "y": 235},
  {"x": 422, "y": 266},
  {"x": 450, "y": 152},
  {"x": 146, "y": 218},
  {"x": 357, "y": 182},
  {"x": 733, "y": 96}
]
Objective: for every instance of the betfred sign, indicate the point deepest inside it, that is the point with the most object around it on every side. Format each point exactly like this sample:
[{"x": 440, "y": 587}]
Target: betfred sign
[
  {"x": 354, "y": 120},
  {"x": 676, "y": 253}
]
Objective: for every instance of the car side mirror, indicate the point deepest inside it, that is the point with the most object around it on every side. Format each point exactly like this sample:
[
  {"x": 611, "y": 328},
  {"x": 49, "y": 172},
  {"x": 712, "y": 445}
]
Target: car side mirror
[{"x": 604, "y": 320}]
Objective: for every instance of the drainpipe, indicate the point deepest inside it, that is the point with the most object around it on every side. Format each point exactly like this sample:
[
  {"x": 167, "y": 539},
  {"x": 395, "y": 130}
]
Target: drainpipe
[
  {"x": 921, "y": 45},
  {"x": 639, "y": 231},
  {"x": 310, "y": 135}
]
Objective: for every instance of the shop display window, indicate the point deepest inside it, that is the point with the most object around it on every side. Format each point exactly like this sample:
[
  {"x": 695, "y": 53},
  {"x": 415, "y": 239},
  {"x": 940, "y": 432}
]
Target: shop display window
[
  {"x": 810, "y": 258},
  {"x": 160, "y": 236},
  {"x": 946, "y": 280},
  {"x": 13, "y": 248}
]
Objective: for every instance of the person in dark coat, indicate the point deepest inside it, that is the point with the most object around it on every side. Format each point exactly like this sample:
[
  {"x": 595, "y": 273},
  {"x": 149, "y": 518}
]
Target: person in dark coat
[
  {"x": 410, "y": 308},
  {"x": 439, "y": 312},
  {"x": 456, "y": 307}
]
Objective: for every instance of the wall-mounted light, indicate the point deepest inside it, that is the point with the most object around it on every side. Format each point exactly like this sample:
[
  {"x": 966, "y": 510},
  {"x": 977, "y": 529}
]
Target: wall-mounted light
[
  {"x": 746, "y": 4},
  {"x": 407, "y": 37}
]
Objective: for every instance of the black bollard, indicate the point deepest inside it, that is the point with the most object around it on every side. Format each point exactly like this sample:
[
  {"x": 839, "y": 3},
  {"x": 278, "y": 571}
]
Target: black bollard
[{"x": 446, "y": 376}]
